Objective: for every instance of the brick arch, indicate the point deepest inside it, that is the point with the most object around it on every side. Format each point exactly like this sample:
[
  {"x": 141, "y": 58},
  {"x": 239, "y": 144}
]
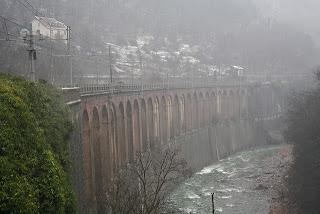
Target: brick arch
[
  {"x": 96, "y": 154},
  {"x": 129, "y": 115},
  {"x": 225, "y": 92},
  {"x": 113, "y": 135},
  {"x": 189, "y": 112},
  {"x": 86, "y": 150},
  {"x": 163, "y": 120},
  {"x": 201, "y": 110},
  {"x": 238, "y": 92},
  {"x": 207, "y": 109},
  {"x": 156, "y": 120},
  {"x": 121, "y": 144},
  {"x": 105, "y": 148},
  {"x": 237, "y": 104},
  {"x": 136, "y": 127},
  {"x": 144, "y": 126},
  {"x": 243, "y": 92},
  {"x": 183, "y": 116},
  {"x": 224, "y": 105},
  {"x": 213, "y": 106},
  {"x": 219, "y": 104},
  {"x": 195, "y": 111},
  {"x": 170, "y": 117},
  {"x": 150, "y": 123},
  {"x": 231, "y": 104},
  {"x": 177, "y": 115}
]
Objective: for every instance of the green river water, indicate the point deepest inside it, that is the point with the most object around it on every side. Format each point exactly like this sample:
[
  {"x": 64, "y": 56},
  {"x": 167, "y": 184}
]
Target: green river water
[{"x": 234, "y": 182}]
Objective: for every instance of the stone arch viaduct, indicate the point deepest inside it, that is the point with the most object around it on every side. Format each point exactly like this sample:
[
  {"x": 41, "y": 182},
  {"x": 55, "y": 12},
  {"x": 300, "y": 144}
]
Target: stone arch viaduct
[{"x": 113, "y": 124}]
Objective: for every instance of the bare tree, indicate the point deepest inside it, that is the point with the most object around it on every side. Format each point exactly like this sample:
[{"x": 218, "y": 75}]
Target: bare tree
[{"x": 142, "y": 187}]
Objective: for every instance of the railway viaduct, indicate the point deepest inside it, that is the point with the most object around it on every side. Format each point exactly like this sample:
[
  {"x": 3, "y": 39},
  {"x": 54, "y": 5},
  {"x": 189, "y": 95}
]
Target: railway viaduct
[{"x": 205, "y": 121}]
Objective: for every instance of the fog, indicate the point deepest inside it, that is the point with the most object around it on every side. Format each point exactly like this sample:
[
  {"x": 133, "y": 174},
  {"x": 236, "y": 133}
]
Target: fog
[
  {"x": 157, "y": 39},
  {"x": 138, "y": 91}
]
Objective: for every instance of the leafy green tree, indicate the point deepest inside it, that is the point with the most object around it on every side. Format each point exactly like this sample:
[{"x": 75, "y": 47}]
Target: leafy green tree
[{"x": 34, "y": 129}]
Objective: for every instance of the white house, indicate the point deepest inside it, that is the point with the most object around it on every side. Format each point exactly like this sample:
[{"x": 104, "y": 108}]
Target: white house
[
  {"x": 49, "y": 27},
  {"x": 238, "y": 70}
]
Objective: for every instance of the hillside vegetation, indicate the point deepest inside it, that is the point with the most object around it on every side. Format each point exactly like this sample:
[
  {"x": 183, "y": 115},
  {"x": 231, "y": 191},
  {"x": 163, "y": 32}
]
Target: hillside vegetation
[
  {"x": 303, "y": 122},
  {"x": 175, "y": 38},
  {"x": 34, "y": 131}
]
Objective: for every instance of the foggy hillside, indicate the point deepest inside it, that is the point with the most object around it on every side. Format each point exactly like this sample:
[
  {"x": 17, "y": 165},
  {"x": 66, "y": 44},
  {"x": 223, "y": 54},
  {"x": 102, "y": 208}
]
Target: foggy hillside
[{"x": 177, "y": 37}]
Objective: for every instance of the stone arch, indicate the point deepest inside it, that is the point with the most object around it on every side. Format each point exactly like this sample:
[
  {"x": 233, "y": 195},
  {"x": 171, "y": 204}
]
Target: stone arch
[
  {"x": 176, "y": 115},
  {"x": 105, "y": 148},
  {"x": 163, "y": 120},
  {"x": 150, "y": 123},
  {"x": 243, "y": 102},
  {"x": 195, "y": 111},
  {"x": 121, "y": 144},
  {"x": 225, "y": 93},
  {"x": 189, "y": 112},
  {"x": 136, "y": 127},
  {"x": 219, "y": 104},
  {"x": 214, "y": 109},
  {"x": 87, "y": 165},
  {"x": 243, "y": 92},
  {"x": 129, "y": 131},
  {"x": 144, "y": 127},
  {"x": 170, "y": 118},
  {"x": 207, "y": 109},
  {"x": 183, "y": 114},
  {"x": 113, "y": 136},
  {"x": 96, "y": 154},
  {"x": 231, "y": 104},
  {"x": 237, "y": 103},
  {"x": 201, "y": 110},
  {"x": 157, "y": 121},
  {"x": 224, "y": 105}
]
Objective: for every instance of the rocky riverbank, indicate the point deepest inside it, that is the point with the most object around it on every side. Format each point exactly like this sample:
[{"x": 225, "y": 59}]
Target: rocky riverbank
[{"x": 274, "y": 179}]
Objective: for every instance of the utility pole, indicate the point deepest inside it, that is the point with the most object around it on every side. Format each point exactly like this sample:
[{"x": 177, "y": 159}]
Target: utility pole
[
  {"x": 51, "y": 56},
  {"x": 69, "y": 53},
  {"x": 212, "y": 201},
  {"x": 140, "y": 64},
  {"x": 32, "y": 58},
  {"x": 110, "y": 65}
]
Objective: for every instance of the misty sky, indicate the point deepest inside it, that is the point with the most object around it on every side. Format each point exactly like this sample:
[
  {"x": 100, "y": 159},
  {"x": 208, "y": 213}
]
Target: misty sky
[{"x": 305, "y": 14}]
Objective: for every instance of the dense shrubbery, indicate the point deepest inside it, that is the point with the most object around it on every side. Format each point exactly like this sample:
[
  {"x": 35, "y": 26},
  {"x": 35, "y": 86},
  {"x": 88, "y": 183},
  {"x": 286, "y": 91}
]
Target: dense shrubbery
[
  {"x": 303, "y": 131},
  {"x": 34, "y": 131}
]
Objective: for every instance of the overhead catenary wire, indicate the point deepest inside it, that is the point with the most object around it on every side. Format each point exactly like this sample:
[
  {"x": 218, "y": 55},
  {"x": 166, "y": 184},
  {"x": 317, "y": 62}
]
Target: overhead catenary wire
[{"x": 39, "y": 45}]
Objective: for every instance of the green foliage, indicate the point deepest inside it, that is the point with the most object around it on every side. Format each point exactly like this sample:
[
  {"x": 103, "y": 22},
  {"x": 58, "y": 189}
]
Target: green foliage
[
  {"x": 34, "y": 131},
  {"x": 303, "y": 122}
]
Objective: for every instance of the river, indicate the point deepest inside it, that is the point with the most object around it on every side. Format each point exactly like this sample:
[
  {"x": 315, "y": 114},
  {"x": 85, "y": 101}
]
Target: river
[{"x": 235, "y": 182}]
